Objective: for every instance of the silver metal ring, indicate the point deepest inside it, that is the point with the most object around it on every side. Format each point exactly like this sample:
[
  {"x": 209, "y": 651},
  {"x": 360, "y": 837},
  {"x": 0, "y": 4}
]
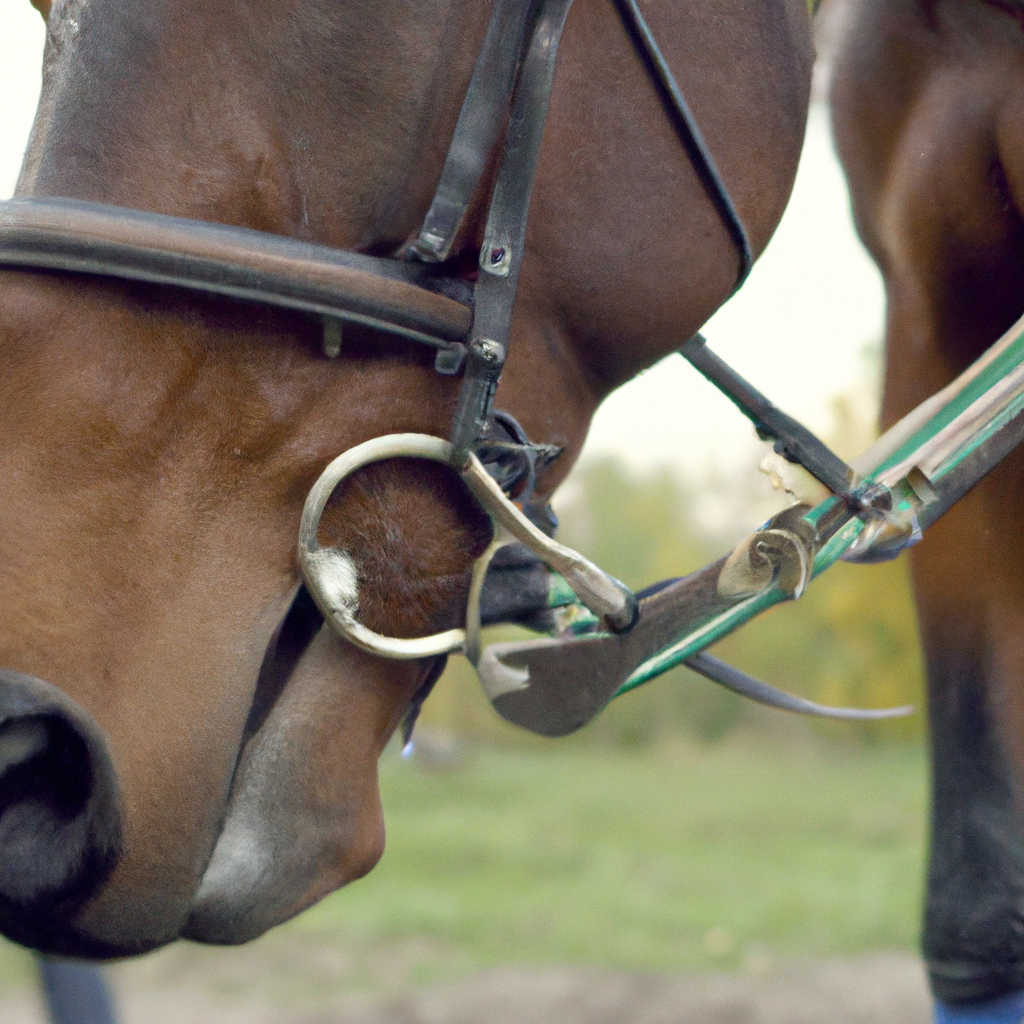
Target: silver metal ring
[{"x": 333, "y": 577}]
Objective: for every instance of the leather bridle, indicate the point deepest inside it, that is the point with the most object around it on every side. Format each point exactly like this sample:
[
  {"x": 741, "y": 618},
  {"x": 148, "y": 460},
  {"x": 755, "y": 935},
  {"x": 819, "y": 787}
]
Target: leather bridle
[
  {"x": 411, "y": 295},
  {"x": 414, "y": 296}
]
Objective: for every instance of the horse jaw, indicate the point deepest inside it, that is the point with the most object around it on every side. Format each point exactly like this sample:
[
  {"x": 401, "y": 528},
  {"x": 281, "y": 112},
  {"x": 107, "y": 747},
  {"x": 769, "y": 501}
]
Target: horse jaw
[{"x": 304, "y": 815}]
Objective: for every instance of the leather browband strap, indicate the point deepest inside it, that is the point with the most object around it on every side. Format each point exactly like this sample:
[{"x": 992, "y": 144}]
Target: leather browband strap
[
  {"x": 68, "y": 235},
  {"x": 510, "y": 89}
]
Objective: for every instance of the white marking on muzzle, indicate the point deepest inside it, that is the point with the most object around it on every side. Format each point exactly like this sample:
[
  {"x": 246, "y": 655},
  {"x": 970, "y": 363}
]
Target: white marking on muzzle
[{"x": 241, "y": 861}]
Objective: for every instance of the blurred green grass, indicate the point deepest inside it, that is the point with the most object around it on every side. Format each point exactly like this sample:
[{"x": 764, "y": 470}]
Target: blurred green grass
[
  {"x": 676, "y": 855},
  {"x": 669, "y": 857}
]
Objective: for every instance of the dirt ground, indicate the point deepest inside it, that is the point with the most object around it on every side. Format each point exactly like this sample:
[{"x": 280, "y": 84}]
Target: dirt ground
[{"x": 185, "y": 985}]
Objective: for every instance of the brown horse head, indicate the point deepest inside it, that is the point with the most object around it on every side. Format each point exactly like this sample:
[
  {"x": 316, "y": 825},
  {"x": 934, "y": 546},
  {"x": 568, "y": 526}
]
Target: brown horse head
[{"x": 188, "y": 752}]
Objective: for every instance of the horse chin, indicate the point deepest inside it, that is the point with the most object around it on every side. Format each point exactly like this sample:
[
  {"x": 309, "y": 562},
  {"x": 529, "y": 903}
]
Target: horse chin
[
  {"x": 272, "y": 860},
  {"x": 304, "y": 815}
]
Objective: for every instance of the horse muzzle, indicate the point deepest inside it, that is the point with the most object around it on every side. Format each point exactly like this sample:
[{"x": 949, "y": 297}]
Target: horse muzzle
[{"x": 60, "y": 814}]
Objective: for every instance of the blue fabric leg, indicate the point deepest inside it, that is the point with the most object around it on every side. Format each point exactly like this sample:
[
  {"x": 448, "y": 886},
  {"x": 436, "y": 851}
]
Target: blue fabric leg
[
  {"x": 1006, "y": 1010},
  {"x": 75, "y": 993}
]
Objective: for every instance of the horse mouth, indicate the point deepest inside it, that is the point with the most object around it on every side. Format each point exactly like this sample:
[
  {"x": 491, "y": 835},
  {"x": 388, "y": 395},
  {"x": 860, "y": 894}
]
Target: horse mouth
[
  {"x": 241, "y": 858},
  {"x": 290, "y": 641},
  {"x": 291, "y": 833}
]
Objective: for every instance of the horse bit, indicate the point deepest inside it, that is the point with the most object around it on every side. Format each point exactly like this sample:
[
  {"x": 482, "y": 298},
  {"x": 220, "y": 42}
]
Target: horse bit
[{"x": 469, "y": 329}]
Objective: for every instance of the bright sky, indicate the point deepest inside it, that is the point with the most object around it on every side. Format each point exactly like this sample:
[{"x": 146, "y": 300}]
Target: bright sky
[
  {"x": 798, "y": 329},
  {"x": 22, "y": 33}
]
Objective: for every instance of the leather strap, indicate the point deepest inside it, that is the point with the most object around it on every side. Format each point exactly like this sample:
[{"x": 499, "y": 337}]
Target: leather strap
[
  {"x": 88, "y": 238},
  {"x": 501, "y": 257},
  {"x": 690, "y": 135},
  {"x": 479, "y": 127}
]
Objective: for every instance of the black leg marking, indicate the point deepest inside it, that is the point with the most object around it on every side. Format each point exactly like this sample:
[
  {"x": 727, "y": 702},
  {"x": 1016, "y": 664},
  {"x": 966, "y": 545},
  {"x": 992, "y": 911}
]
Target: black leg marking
[{"x": 974, "y": 917}]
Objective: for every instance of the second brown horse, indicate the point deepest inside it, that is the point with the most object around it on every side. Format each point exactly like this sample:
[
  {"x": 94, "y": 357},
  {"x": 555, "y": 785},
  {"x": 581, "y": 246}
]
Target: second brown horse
[{"x": 928, "y": 101}]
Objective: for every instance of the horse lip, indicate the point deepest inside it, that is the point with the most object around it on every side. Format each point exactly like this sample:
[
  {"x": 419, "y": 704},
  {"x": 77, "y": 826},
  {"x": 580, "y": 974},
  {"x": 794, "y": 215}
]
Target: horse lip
[
  {"x": 241, "y": 860},
  {"x": 292, "y": 832},
  {"x": 242, "y": 891}
]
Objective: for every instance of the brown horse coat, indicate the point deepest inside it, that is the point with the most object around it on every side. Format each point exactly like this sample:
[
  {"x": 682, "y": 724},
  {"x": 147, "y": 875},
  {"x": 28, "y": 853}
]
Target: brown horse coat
[
  {"x": 158, "y": 447},
  {"x": 929, "y": 119}
]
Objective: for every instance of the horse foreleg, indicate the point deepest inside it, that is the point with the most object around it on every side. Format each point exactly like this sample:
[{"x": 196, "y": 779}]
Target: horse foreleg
[
  {"x": 967, "y": 578},
  {"x": 920, "y": 121},
  {"x": 969, "y": 584}
]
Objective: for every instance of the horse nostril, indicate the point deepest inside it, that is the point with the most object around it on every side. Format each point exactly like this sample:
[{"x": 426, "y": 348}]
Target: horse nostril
[
  {"x": 44, "y": 762},
  {"x": 60, "y": 813},
  {"x": 20, "y": 740}
]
